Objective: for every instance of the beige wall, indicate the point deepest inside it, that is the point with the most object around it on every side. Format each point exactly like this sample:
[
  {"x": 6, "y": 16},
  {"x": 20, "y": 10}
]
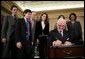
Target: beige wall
[
  {"x": 5, "y": 8},
  {"x": 55, "y": 13}
]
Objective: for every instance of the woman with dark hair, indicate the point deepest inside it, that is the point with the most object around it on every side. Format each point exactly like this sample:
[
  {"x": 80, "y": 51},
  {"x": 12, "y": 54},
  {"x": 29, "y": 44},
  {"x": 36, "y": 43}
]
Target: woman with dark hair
[
  {"x": 61, "y": 16},
  {"x": 41, "y": 33},
  {"x": 74, "y": 29}
]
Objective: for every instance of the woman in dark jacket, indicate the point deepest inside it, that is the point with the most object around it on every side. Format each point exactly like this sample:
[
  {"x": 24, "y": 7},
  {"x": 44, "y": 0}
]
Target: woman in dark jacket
[
  {"x": 41, "y": 33},
  {"x": 74, "y": 29}
]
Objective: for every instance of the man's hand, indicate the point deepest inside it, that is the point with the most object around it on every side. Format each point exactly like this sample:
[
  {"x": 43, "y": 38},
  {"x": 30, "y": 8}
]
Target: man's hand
[
  {"x": 57, "y": 43},
  {"x": 19, "y": 45},
  {"x": 4, "y": 40},
  {"x": 54, "y": 43},
  {"x": 67, "y": 43},
  {"x": 37, "y": 41},
  {"x": 32, "y": 43}
]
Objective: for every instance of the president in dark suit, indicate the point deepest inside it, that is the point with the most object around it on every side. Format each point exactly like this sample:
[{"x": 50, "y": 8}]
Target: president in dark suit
[
  {"x": 8, "y": 34},
  {"x": 23, "y": 36},
  {"x": 74, "y": 29},
  {"x": 59, "y": 35}
]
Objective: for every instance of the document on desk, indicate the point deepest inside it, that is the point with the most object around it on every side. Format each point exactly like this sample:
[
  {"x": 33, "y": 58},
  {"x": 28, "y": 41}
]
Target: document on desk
[{"x": 65, "y": 45}]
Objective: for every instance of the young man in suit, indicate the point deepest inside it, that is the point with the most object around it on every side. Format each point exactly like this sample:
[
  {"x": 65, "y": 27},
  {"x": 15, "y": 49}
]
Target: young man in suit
[
  {"x": 23, "y": 36},
  {"x": 59, "y": 35},
  {"x": 8, "y": 34},
  {"x": 33, "y": 24},
  {"x": 33, "y": 19}
]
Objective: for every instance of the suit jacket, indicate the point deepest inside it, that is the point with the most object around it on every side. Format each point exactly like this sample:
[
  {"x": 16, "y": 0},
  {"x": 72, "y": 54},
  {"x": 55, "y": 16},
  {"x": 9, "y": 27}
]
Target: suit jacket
[
  {"x": 8, "y": 27},
  {"x": 39, "y": 30},
  {"x": 8, "y": 32},
  {"x": 20, "y": 34},
  {"x": 54, "y": 35},
  {"x": 75, "y": 31},
  {"x": 33, "y": 31},
  {"x": 21, "y": 31},
  {"x": 1, "y": 45}
]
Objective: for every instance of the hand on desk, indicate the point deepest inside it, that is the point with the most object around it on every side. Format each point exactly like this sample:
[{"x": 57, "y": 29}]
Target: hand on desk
[
  {"x": 67, "y": 43},
  {"x": 56, "y": 43}
]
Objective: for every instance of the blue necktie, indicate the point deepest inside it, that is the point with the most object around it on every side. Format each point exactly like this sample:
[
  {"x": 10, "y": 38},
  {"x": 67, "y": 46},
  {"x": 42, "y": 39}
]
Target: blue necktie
[{"x": 28, "y": 30}]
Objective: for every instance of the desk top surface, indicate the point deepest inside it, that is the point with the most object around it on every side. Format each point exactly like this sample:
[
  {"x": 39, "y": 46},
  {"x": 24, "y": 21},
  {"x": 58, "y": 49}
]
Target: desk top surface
[{"x": 64, "y": 46}]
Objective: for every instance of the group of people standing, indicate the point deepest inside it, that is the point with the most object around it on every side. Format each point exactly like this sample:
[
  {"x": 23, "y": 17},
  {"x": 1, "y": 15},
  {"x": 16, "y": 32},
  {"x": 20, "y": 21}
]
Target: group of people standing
[{"x": 21, "y": 35}]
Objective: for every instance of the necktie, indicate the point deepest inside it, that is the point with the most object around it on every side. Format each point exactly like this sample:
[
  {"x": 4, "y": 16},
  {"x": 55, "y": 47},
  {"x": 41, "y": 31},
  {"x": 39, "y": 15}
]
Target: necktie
[
  {"x": 28, "y": 29},
  {"x": 61, "y": 32},
  {"x": 15, "y": 17}
]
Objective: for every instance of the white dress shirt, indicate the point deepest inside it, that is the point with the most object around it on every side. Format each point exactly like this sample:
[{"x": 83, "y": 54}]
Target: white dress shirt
[{"x": 43, "y": 24}]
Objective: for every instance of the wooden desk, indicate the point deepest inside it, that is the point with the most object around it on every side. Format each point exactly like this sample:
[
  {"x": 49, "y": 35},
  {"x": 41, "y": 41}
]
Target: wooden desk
[{"x": 66, "y": 51}]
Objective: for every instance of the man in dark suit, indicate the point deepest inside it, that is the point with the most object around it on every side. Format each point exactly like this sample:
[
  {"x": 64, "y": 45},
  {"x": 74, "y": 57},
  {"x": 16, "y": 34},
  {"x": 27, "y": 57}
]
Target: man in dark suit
[
  {"x": 33, "y": 26},
  {"x": 1, "y": 45},
  {"x": 59, "y": 35},
  {"x": 23, "y": 36},
  {"x": 8, "y": 34}
]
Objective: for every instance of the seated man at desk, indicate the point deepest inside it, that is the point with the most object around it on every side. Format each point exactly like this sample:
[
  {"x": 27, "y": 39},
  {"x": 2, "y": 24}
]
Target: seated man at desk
[{"x": 59, "y": 35}]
